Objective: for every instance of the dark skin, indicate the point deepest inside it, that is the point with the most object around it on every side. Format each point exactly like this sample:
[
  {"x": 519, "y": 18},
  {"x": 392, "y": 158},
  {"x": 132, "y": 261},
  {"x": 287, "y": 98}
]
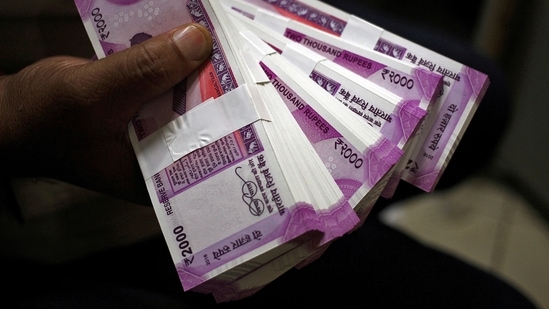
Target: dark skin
[{"x": 67, "y": 118}]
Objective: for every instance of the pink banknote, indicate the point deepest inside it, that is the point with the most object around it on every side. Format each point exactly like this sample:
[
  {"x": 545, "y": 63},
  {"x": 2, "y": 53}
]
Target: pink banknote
[
  {"x": 463, "y": 87},
  {"x": 114, "y": 25}
]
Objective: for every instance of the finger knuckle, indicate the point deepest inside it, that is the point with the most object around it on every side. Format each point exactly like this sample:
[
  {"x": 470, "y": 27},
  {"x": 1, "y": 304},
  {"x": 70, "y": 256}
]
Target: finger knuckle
[{"x": 150, "y": 66}]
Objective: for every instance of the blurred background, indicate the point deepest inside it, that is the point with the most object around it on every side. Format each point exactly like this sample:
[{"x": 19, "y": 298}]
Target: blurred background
[{"x": 497, "y": 219}]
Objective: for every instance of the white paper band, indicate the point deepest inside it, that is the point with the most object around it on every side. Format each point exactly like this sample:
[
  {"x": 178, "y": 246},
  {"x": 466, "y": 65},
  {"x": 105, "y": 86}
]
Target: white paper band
[
  {"x": 194, "y": 130},
  {"x": 303, "y": 58},
  {"x": 276, "y": 23},
  {"x": 359, "y": 30}
]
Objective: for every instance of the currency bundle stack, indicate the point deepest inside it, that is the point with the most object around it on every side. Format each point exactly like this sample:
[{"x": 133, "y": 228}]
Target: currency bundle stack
[{"x": 284, "y": 140}]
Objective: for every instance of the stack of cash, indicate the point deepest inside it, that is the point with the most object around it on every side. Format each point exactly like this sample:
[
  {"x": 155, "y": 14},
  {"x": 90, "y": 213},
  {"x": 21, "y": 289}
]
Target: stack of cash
[{"x": 301, "y": 119}]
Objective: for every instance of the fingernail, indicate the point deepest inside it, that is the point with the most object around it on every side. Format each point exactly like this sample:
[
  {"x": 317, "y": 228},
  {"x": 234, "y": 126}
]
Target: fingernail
[{"x": 192, "y": 43}]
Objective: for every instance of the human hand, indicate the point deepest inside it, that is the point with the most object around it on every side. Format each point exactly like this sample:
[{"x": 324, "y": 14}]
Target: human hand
[{"x": 67, "y": 118}]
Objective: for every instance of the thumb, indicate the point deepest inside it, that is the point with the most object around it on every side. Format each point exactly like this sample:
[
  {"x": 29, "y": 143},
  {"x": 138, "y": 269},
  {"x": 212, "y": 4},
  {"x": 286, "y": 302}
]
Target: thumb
[{"x": 149, "y": 69}]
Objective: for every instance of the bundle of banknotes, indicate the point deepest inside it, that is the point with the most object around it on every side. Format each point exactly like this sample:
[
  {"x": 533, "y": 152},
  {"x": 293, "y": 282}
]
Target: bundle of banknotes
[{"x": 302, "y": 118}]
